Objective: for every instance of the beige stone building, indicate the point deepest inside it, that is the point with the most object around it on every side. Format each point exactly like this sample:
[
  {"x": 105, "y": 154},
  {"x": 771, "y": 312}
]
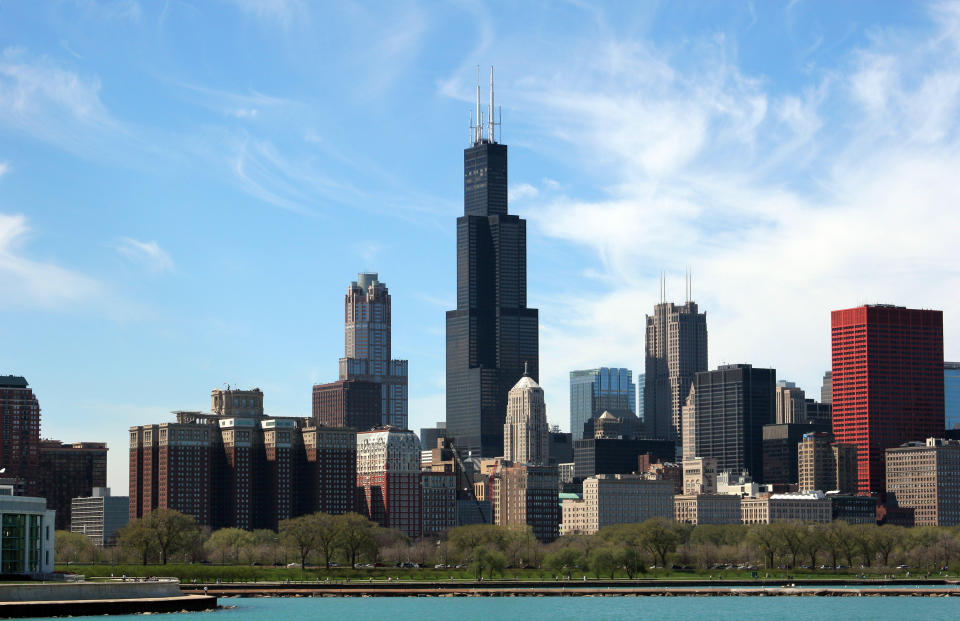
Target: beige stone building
[
  {"x": 925, "y": 476},
  {"x": 616, "y": 499},
  {"x": 688, "y": 424},
  {"x": 526, "y": 436},
  {"x": 825, "y": 465},
  {"x": 700, "y": 475},
  {"x": 527, "y": 495},
  {"x": 707, "y": 508},
  {"x": 800, "y": 507},
  {"x": 235, "y": 402},
  {"x": 791, "y": 404}
]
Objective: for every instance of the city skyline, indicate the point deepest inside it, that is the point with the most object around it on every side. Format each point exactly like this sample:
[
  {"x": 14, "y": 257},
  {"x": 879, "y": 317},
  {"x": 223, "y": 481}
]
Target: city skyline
[{"x": 168, "y": 227}]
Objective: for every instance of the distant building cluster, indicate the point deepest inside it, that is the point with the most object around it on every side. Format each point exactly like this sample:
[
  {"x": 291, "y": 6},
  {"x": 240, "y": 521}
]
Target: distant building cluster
[{"x": 734, "y": 444}]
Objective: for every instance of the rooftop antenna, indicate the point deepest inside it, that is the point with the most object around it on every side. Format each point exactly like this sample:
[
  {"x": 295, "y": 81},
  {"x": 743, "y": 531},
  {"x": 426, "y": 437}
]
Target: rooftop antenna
[
  {"x": 479, "y": 135},
  {"x": 490, "y": 120}
]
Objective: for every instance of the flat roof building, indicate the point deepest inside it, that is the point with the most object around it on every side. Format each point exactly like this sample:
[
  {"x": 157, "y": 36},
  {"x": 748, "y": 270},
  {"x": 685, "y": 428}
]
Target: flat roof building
[
  {"x": 27, "y": 536},
  {"x": 707, "y": 508},
  {"x": 99, "y": 516},
  {"x": 807, "y": 507},
  {"x": 925, "y": 476},
  {"x": 616, "y": 499}
]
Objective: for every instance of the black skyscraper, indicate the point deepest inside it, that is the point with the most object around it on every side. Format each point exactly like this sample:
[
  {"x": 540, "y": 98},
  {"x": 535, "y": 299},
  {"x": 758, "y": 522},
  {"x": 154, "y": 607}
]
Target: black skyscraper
[{"x": 492, "y": 333}]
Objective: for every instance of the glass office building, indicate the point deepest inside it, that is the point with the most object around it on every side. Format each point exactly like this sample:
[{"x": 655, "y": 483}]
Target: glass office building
[
  {"x": 951, "y": 395},
  {"x": 26, "y": 535},
  {"x": 593, "y": 391}
]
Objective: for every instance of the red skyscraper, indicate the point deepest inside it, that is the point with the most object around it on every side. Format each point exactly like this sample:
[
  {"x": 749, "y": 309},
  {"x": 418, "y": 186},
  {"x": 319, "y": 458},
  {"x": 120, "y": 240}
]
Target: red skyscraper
[{"x": 887, "y": 382}]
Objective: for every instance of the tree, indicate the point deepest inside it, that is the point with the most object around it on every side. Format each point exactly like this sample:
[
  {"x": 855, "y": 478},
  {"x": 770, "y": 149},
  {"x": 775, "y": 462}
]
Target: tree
[
  {"x": 299, "y": 534},
  {"x": 765, "y": 542},
  {"x": 170, "y": 529},
  {"x": 70, "y": 547},
  {"x": 632, "y": 561},
  {"x": 138, "y": 538},
  {"x": 356, "y": 535},
  {"x": 863, "y": 536},
  {"x": 812, "y": 542},
  {"x": 660, "y": 537},
  {"x": 791, "y": 536},
  {"x": 886, "y": 539},
  {"x": 603, "y": 561},
  {"x": 488, "y": 558},
  {"x": 564, "y": 560},
  {"x": 327, "y": 532},
  {"x": 230, "y": 540},
  {"x": 833, "y": 535}
]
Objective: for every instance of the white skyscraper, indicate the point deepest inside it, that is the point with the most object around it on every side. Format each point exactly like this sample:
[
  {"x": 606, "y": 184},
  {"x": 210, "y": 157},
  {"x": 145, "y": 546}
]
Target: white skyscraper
[{"x": 526, "y": 437}]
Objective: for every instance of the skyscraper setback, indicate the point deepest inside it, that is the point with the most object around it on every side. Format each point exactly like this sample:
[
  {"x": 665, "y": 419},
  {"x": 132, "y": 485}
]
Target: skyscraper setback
[
  {"x": 492, "y": 333},
  {"x": 676, "y": 351},
  {"x": 887, "y": 382}
]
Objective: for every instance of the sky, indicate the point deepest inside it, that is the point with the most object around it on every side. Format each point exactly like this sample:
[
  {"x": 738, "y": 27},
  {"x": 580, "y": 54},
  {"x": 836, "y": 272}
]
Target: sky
[{"x": 187, "y": 188}]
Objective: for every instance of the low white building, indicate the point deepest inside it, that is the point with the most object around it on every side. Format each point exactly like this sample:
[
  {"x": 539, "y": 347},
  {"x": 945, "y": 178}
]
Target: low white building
[
  {"x": 26, "y": 536},
  {"x": 616, "y": 499}
]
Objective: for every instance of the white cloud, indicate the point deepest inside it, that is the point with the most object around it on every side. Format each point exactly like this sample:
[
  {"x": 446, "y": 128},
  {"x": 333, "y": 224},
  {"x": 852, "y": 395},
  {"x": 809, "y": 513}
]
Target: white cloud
[
  {"x": 149, "y": 254},
  {"x": 520, "y": 191},
  {"x": 29, "y": 284},
  {"x": 4, "y": 168}
]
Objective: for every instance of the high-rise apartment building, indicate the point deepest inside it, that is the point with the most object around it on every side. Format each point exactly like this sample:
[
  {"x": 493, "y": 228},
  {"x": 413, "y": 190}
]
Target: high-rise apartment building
[
  {"x": 791, "y": 404},
  {"x": 951, "y": 395},
  {"x": 887, "y": 382},
  {"x": 367, "y": 347},
  {"x": 925, "y": 476},
  {"x": 676, "y": 350},
  {"x": 826, "y": 465},
  {"x": 329, "y": 470},
  {"x": 733, "y": 404},
  {"x": 19, "y": 432},
  {"x": 232, "y": 402},
  {"x": 439, "y": 502},
  {"x": 526, "y": 436},
  {"x": 616, "y": 499},
  {"x": 527, "y": 496},
  {"x": 492, "y": 334},
  {"x": 68, "y": 471},
  {"x": 594, "y": 391},
  {"x": 388, "y": 478},
  {"x": 99, "y": 516}
]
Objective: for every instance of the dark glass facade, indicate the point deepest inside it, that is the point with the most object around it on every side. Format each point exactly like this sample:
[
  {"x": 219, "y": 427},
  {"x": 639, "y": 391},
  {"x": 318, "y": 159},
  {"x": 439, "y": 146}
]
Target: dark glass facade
[
  {"x": 612, "y": 456},
  {"x": 492, "y": 333},
  {"x": 780, "y": 451}
]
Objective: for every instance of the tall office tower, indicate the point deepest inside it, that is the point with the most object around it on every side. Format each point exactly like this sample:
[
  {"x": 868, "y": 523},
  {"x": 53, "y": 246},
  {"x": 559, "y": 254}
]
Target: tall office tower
[
  {"x": 676, "y": 351},
  {"x": 367, "y": 347},
  {"x": 388, "y": 478},
  {"x": 526, "y": 436},
  {"x": 492, "y": 334},
  {"x": 329, "y": 471},
  {"x": 824, "y": 465},
  {"x": 235, "y": 402},
  {"x": 638, "y": 404},
  {"x": 430, "y": 435},
  {"x": 925, "y": 476},
  {"x": 791, "y": 404},
  {"x": 951, "y": 395},
  {"x": 352, "y": 403},
  {"x": 525, "y": 495},
  {"x": 688, "y": 420},
  {"x": 439, "y": 502},
  {"x": 780, "y": 442},
  {"x": 19, "y": 432},
  {"x": 819, "y": 413},
  {"x": 826, "y": 390},
  {"x": 594, "y": 391},
  {"x": 733, "y": 404},
  {"x": 887, "y": 382},
  {"x": 69, "y": 471}
]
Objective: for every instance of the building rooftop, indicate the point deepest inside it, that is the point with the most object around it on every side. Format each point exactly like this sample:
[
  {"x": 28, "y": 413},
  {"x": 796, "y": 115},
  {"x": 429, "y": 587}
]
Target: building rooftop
[{"x": 13, "y": 381}]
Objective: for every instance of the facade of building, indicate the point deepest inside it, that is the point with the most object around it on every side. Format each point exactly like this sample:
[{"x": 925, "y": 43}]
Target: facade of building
[
  {"x": 592, "y": 391},
  {"x": 826, "y": 390},
  {"x": 826, "y": 465},
  {"x": 27, "y": 536},
  {"x": 99, "y": 516},
  {"x": 887, "y": 382},
  {"x": 676, "y": 350},
  {"x": 352, "y": 403},
  {"x": 439, "y": 502},
  {"x": 807, "y": 507},
  {"x": 688, "y": 420},
  {"x": 853, "y": 509},
  {"x": 925, "y": 477},
  {"x": 492, "y": 333},
  {"x": 616, "y": 499},
  {"x": 68, "y": 471},
  {"x": 329, "y": 471},
  {"x": 699, "y": 476},
  {"x": 791, "y": 404},
  {"x": 20, "y": 432},
  {"x": 526, "y": 436},
  {"x": 819, "y": 413},
  {"x": 367, "y": 347},
  {"x": 527, "y": 496},
  {"x": 733, "y": 404},
  {"x": 430, "y": 435},
  {"x": 388, "y": 479},
  {"x": 780, "y": 443},
  {"x": 231, "y": 402},
  {"x": 561, "y": 447},
  {"x": 951, "y": 395},
  {"x": 592, "y": 456},
  {"x": 707, "y": 508}
]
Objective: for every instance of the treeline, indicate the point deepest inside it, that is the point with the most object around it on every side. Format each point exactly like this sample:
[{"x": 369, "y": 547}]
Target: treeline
[{"x": 623, "y": 550}]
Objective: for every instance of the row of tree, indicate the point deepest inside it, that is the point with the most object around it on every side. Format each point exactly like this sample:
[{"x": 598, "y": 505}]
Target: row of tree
[{"x": 623, "y": 549}]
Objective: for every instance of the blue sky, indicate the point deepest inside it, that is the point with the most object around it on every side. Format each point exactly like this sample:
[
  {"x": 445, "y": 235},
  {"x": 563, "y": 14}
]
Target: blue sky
[{"x": 186, "y": 188}]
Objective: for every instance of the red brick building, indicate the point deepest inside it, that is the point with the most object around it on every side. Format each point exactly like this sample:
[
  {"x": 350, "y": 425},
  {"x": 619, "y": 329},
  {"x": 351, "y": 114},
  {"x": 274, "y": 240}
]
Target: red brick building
[
  {"x": 887, "y": 382},
  {"x": 347, "y": 403},
  {"x": 69, "y": 471},
  {"x": 439, "y": 502},
  {"x": 388, "y": 479},
  {"x": 19, "y": 432}
]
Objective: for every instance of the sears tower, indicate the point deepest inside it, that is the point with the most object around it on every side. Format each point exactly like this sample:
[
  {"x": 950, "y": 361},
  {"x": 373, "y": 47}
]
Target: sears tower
[{"x": 492, "y": 333}]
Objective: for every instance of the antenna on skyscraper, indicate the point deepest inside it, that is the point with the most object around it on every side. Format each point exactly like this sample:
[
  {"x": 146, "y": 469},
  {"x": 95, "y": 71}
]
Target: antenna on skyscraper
[
  {"x": 490, "y": 118},
  {"x": 478, "y": 129}
]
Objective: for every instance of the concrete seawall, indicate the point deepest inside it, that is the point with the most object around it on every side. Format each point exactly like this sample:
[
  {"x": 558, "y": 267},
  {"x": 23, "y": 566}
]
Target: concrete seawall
[
  {"x": 55, "y": 591},
  {"x": 97, "y": 598}
]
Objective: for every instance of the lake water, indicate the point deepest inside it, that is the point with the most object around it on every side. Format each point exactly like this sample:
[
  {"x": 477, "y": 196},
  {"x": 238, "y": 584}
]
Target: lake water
[{"x": 574, "y": 608}]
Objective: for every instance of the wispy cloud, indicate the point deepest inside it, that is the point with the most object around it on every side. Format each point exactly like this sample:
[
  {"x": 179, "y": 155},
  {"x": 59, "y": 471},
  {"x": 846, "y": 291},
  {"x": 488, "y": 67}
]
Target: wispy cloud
[
  {"x": 4, "y": 168},
  {"x": 282, "y": 12},
  {"x": 30, "y": 284},
  {"x": 149, "y": 254}
]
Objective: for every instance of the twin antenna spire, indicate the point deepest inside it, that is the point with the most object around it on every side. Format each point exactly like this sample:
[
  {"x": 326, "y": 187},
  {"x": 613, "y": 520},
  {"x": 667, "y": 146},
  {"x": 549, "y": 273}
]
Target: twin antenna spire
[
  {"x": 688, "y": 286},
  {"x": 477, "y": 134}
]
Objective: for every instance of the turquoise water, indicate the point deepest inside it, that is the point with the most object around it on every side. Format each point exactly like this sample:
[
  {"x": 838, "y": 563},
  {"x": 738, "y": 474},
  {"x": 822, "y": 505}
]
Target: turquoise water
[{"x": 574, "y": 608}]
